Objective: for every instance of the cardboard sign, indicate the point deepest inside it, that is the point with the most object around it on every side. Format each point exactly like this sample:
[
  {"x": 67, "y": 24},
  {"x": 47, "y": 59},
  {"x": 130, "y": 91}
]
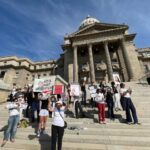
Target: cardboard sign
[
  {"x": 75, "y": 90},
  {"x": 42, "y": 85},
  {"x": 58, "y": 89},
  {"x": 116, "y": 78}
]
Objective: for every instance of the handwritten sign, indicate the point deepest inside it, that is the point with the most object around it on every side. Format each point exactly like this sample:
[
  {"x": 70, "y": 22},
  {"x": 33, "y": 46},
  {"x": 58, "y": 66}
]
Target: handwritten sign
[{"x": 45, "y": 84}]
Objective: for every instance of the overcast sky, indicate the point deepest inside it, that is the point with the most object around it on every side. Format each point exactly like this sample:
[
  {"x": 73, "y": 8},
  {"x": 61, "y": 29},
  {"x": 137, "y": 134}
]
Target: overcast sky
[{"x": 35, "y": 28}]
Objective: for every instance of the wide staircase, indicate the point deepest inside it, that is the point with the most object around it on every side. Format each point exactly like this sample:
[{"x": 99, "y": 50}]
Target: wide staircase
[{"x": 87, "y": 133}]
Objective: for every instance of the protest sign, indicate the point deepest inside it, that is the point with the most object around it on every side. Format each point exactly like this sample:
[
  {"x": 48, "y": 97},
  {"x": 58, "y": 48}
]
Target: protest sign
[
  {"x": 44, "y": 84},
  {"x": 58, "y": 89},
  {"x": 75, "y": 90}
]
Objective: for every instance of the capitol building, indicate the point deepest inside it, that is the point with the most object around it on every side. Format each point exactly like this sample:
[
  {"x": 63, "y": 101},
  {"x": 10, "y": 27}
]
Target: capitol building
[{"x": 95, "y": 52}]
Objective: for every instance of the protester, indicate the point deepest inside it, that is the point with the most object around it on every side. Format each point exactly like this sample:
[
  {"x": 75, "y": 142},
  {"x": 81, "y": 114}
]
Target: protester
[
  {"x": 92, "y": 89},
  {"x": 35, "y": 107},
  {"x": 110, "y": 103},
  {"x": 57, "y": 129},
  {"x": 100, "y": 100},
  {"x": 29, "y": 100},
  {"x": 44, "y": 99},
  {"x": 77, "y": 105},
  {"x": 83, "y": 89},
  {"x": 68, "y": 93},
  {"x": 116, "y": 95},
  {"x": 12, "y": 122},
  {"x": 128, "y": 104}
]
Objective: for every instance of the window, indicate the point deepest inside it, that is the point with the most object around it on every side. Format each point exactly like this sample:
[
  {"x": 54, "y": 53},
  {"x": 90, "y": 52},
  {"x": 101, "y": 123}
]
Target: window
[
  {"x": 40, "y": 66},
  {"x": 17, "y": 73},
  {"x": 96, "y": 51},
  {"x": 39, "y": 76},
  {"x": 33, "y": 76},
  {"x": 148, "y": 54},
  {"x": 82, "y": 53},
  {"x": 2, "y": 74},
  {"x": 146, "y": 69}
]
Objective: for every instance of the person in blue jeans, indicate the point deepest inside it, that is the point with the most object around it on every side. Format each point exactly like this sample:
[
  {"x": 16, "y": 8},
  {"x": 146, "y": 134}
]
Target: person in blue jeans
[{"x": 12, "y": 122}]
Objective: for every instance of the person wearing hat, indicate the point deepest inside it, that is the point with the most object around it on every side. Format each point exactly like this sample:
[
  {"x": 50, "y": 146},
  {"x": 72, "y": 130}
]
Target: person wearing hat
[{"x": 57, "y": 129}]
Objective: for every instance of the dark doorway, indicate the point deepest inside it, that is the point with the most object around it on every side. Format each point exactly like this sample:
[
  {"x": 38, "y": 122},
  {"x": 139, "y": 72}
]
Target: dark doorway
[{"x": 148, "y": 80}]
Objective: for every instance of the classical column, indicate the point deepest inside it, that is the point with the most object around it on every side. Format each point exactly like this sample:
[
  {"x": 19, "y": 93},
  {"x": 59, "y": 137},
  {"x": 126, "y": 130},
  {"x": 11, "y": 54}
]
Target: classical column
[
  {"x": 108, "y": 61},
  {"x": 92, "y": 70},
  {"x": 126, "y": 59},
  {"x": 75, "y": 64}
]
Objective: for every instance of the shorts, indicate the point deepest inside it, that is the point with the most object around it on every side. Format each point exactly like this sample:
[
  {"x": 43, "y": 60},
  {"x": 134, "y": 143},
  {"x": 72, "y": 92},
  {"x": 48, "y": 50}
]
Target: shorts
[{"x": 44, "y": 112}]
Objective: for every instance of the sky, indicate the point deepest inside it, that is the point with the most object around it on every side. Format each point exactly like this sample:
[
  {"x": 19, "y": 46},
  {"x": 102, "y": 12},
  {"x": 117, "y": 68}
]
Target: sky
[{"x": 36, "y": 28}]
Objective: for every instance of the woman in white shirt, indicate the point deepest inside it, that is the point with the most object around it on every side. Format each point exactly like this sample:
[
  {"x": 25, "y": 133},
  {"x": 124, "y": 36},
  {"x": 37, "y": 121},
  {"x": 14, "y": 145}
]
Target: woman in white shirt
[
  {"x": 100, "y": 100},
  {"x": 128, "y": 104},
  {"x": 57, "y": 129},
  {"x": 12, "y": 122}
]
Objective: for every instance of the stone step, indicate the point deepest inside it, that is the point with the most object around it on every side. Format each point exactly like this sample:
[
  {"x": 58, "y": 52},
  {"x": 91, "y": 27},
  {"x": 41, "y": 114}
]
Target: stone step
[
  {"x": 78, "y": 146},
  {"x": 88, "y": 132},
  {"x": 92, "y": 139}
]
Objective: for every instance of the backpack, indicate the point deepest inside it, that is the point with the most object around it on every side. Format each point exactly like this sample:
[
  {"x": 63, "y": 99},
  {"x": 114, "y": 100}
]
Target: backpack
[{"x": 23, "y": 123}]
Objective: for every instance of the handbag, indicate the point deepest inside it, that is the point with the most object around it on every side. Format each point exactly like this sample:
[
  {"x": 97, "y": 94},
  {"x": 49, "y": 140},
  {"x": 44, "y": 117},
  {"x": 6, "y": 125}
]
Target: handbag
[{"x": 65, "y": 123}]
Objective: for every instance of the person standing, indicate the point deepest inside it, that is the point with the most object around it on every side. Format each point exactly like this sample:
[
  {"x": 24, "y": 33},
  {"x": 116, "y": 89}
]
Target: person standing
[
  {"x": 116, "y": 96},
  {"x": 100, "y": 100},
  {"x": 13, "y": 121},
  {"x": 110, "y": 103},
  {"x": 57, "y": 129},
  {"x": 83, "y": 89},
  {"x": 35, "y": 107},
  {"x": 43, "y": 113},
  {"x": 128, "y": 104}
]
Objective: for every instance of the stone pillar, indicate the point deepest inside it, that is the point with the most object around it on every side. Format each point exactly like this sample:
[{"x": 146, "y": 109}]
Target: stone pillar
[
  {"x": 108, "y": 61},
  {"x": 126, "y": 59},
  {"x": 92, "y": 70},
  {"x": 75, "y": 64}
]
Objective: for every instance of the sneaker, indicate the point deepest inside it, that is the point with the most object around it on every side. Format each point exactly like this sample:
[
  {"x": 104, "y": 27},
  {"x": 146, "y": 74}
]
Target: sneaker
[
  {"x": 38, "y": 133},
  {"x": 44, "y": 132},
  {"x": 129, "y": 123},
  {"x": 3, "y": 143},
  {"x": 137, "y": 123},
  {"x": 12, "y": 140}
]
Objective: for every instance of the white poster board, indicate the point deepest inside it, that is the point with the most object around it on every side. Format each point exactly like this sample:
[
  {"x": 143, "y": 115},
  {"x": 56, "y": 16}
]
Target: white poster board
[
  {"x": 116, "y": 78},
  {"x": 44, "y": 84},
  {"x": 75, "y": 90},
  {"x": 92, "y": 90}
]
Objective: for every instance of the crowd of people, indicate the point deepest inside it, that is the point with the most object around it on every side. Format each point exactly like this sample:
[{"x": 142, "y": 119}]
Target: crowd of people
[{"x": 115, "y": 97}]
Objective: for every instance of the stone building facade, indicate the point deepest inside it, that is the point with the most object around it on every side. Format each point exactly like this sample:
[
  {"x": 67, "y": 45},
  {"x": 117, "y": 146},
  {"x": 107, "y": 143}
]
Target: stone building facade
[
  {"x": 98, "y": 50},
  {"x": 21, "y": 71},
  {"x": 144, "y": 59}
]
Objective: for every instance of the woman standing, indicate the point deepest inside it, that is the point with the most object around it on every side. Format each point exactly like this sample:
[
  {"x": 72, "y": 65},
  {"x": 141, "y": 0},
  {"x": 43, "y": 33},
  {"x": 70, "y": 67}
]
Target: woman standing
[
  {"x": 100, "y": 100},
  {"x": 12, "y": 122},
  {"x": 43, "y": 113},
  {"x": 57, "y": 129}
]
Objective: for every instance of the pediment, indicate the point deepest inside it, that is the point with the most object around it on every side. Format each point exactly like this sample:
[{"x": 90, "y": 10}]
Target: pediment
[{"x": 98, "y": 27}]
